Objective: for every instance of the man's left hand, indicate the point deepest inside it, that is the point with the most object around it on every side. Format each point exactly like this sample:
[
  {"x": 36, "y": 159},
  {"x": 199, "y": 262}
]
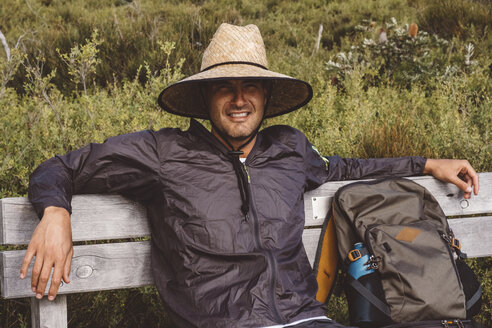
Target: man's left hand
[{"x": 456, "y": 171}]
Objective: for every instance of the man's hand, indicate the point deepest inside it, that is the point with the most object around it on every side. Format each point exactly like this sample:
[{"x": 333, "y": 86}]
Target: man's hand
[
  {"x": 459, "y": 172},
  {"x": 51, "y": 243}
]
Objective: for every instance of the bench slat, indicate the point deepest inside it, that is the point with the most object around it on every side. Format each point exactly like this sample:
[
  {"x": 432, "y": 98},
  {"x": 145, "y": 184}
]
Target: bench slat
[
  {"x": 474, "y": 234},
  {"x": 94, "y": 267},
  {"x": 448, "y": 195},
  {"x": 126, "y": 265},
  {"x": 102, "y": 267},
  {"x": 94, "y": 217},
  {"x": 100, "y": 217}
]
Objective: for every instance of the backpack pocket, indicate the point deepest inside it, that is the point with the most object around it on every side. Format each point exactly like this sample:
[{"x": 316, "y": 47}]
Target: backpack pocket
[{"x": 418, "y": 271}]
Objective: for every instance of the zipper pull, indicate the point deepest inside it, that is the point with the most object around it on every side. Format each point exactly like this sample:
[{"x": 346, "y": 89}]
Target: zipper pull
[
  {"x": 247, "y": 173},
  {"x": 459, "y": 324},
  {"x": 454, "y": 244},
  {"x": 374, "y": 262}
]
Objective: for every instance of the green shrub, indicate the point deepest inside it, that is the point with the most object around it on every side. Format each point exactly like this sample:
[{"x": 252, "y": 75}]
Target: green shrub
[
  {"x": 456, "y": 18},
  {"x": 401, "y": 58},
  {"x": 129, "y": 30},
  {"x": 44, "y": 109}
]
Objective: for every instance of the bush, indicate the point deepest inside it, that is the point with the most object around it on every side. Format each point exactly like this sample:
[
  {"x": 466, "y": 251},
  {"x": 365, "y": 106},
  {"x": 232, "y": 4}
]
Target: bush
[
  {"x": 45, "y": 109},
  {"x": 456, "y": 18},
  {"x": 403, "y": 56},
  {"x": 129, "y": 30}
]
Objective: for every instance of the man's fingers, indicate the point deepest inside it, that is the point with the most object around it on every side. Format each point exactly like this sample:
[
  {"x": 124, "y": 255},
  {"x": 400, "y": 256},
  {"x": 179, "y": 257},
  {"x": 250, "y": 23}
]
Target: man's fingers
[
  {"x": 55, "y": 281},
  {"x": 36, "y": 272},
  {"x": 474, "y": 177},
  {"x": 43, "y": 279},
  {"x": 471, "y": 177},
  {"x": 68, "y": 265},
  {"x": 461, "y": 184},
  {"x": 469, "y": 182},
  {"x": 25, "y": 263}
]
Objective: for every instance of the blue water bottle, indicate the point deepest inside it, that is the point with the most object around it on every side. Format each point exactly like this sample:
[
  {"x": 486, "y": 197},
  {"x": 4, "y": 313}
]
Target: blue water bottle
[{"x": 361, "y": 312}]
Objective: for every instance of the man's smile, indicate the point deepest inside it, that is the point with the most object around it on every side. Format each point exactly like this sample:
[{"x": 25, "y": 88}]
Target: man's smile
[{"x": 238, "y": 116}]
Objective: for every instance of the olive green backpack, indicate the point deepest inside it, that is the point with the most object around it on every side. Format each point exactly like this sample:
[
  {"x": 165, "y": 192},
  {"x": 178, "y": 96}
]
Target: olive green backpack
[{"x": 396, "y": 230}]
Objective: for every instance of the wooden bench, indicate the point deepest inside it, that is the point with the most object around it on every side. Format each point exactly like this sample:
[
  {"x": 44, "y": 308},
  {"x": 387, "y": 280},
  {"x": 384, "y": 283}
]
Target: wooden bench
[{"x": 119, "y": 265}]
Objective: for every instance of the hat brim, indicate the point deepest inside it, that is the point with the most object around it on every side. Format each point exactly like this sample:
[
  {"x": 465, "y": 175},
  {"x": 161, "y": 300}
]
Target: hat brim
[{"x": 185, "y": 97}]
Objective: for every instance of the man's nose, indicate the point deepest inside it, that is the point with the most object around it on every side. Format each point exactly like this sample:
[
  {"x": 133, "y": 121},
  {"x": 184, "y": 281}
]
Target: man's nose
[{"x": 239, "y": 100}]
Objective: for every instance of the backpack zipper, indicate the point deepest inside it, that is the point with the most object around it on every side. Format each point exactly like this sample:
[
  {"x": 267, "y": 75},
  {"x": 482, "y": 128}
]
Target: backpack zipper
[
  {"x": 374, "y": 260},
  {"x": 445, "y": 239}
]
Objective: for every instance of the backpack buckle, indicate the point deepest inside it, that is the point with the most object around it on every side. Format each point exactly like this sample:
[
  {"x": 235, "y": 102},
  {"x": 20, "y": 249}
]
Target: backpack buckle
[
  {"x": 456, "y": 244},
  {"x": 354, "y": 255}
]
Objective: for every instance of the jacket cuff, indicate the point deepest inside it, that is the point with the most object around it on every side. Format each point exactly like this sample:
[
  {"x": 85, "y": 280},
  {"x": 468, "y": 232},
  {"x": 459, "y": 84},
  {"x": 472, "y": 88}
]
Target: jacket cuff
[{"x": 41, "y": 205}]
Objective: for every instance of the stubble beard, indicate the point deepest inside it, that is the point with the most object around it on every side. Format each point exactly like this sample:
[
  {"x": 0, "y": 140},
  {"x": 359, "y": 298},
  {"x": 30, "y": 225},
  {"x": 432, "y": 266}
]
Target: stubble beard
[{"x": 238, "y": 135}]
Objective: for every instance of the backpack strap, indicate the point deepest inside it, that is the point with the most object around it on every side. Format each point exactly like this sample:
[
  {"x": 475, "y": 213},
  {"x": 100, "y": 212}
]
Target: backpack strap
[
  {"x": 367, "y": 294},
  {"x": 474, "y": 299}
]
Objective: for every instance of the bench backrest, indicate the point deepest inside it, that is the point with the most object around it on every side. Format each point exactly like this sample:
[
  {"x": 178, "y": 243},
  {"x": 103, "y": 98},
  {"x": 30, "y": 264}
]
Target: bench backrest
[{"x": 125, "y": 264}]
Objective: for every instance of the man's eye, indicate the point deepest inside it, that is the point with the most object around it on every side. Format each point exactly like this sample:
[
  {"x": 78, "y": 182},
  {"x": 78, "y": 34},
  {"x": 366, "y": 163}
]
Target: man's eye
[
  {"x": 222, "y": 87},
  {"x": 251, "y": 86}
]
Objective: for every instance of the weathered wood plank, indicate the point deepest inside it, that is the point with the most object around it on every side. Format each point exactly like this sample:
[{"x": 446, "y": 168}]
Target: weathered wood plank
[
  {"x": 104, "y": 266},
  {"x": 99, "y": 217},
  {"x": 94, "y": 267},
  {"x": 474, "y": 235},
  {"x": 125, "y": 265},
  {"x": 448, "y": 195},
  {"x": 310, "y": 238},
  {"x": 46, "y": 314},
  {"x": 94, "y": 217}
]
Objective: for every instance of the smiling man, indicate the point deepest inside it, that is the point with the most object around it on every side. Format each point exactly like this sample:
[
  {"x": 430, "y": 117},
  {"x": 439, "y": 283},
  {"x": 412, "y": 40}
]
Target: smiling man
[
  {"x": 236, "y": 109},
  {"x": 225, "y": 207}
]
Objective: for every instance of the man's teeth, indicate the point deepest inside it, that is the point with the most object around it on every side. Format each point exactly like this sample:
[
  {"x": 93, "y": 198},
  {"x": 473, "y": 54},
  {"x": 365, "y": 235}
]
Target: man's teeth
[{"x": 238, "y": 114}]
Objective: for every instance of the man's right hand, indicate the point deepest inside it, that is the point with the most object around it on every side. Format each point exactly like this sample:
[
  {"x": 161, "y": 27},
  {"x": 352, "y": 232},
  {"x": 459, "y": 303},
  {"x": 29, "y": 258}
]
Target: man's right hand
[{"x": 51, "y": 244}]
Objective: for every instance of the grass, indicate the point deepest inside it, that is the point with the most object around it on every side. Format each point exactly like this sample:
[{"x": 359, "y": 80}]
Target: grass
[{"x": 146, "y": 45}]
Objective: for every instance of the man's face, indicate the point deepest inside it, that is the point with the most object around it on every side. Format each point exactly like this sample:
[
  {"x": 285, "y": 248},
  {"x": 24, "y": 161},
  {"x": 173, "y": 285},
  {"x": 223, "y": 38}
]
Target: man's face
[{"x": 236, "y": 108}]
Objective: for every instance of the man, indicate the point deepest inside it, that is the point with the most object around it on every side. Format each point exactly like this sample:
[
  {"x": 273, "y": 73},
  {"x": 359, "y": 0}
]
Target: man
[{"x": 226, "y": 207}]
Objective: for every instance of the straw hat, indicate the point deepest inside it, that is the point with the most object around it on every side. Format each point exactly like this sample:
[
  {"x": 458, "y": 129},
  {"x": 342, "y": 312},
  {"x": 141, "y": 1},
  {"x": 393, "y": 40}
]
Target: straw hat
[{"x": 235, "y": 52}]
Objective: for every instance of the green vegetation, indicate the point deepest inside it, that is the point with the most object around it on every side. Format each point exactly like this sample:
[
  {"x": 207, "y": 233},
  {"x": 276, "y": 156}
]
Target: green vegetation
[{"x": 81, "y": 71}]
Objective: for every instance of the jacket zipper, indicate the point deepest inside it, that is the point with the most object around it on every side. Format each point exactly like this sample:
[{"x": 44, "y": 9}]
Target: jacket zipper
[{"x": 272, "y": 264}]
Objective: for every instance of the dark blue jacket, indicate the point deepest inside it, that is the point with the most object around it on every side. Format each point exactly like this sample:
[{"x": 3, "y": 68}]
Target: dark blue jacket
[{"x": 213, "y": 265}]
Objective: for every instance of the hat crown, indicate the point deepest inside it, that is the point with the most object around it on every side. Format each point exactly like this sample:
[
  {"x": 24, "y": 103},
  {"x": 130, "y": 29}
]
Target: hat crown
[{"x": 235, "y": 44}]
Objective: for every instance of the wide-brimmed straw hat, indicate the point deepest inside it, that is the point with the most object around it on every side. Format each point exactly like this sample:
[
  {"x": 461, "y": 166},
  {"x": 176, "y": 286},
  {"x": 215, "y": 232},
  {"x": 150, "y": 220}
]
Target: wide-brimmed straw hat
[{"x": 235, "y": 52}]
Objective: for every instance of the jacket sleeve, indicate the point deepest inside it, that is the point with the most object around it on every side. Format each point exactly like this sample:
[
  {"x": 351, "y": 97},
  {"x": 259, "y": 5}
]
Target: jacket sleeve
[
  {"x": 321, "y": 169},
  {"x": 126, "y": 164},
  {"x": 356, "y": 168}
]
